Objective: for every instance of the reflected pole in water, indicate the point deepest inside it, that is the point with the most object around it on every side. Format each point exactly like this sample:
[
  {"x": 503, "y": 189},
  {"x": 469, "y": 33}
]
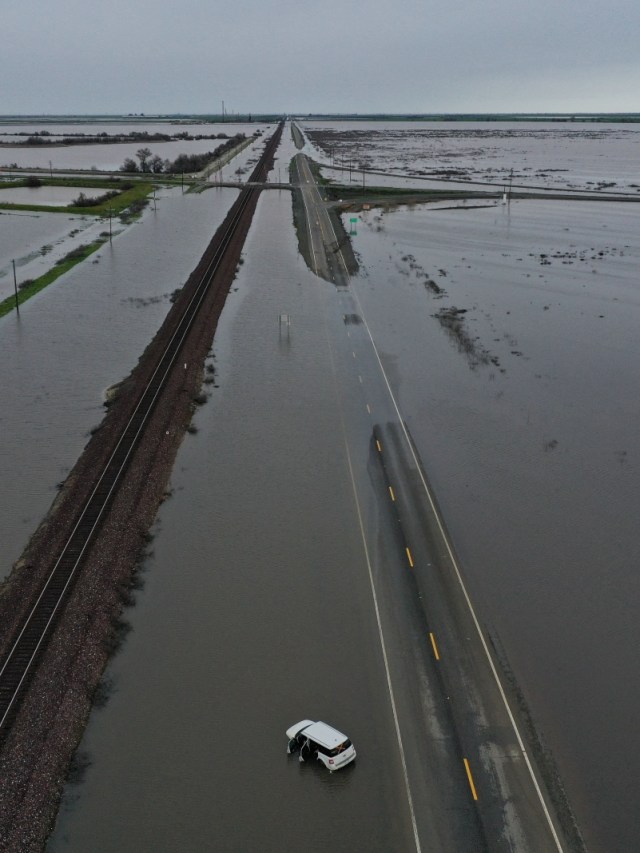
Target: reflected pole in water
[
  {"x": 15, "y": 287},
  {"x": 110, "y": 211}
]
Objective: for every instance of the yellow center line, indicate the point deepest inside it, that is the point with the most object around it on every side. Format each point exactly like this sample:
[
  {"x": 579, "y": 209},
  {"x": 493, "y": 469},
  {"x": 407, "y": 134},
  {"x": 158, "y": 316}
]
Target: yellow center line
[
  {"x": 393, "y": 497},
  {"x": 409, "y": 556},
  {"x": 435, "y": 648},
  {"x": 379, "y": 446},
  {"x": 470, "y": 778}
]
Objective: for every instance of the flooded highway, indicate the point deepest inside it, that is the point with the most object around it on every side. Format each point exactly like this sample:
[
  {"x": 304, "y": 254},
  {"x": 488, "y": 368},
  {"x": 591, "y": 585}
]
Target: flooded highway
[
  {"x": 512, "y": 375},
  {"x": 314, "y": 608},
  {"x": 262, "y": 580}
]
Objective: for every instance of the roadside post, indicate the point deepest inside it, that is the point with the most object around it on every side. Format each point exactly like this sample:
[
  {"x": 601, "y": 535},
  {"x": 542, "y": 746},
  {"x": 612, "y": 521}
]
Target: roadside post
[{"x": 15, "y": 287}]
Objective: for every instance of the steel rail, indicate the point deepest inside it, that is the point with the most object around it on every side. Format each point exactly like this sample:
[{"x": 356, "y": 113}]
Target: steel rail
[{"x": 19, "y": 664}]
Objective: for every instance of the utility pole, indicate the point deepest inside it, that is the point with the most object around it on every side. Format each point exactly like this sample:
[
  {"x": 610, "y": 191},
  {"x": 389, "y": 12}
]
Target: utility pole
[
  {"x": 15, "y": 286},
  {"x": 50, "y": 169},
  {"x": 110, "y": 211}
]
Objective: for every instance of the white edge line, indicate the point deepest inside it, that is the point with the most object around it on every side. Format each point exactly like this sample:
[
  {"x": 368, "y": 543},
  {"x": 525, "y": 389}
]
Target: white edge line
[{"x": 374, "y": 595}]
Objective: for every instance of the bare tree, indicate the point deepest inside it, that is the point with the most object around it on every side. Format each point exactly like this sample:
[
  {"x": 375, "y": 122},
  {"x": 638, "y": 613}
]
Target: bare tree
[{"x": 143, "y": 155}]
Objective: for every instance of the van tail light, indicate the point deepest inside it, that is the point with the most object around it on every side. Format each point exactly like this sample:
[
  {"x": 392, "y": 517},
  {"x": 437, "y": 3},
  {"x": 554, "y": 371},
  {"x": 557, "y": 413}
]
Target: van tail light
[{"x": 331, "y": 761}]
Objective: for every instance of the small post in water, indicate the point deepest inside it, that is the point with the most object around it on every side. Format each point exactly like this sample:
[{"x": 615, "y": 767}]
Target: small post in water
[{"x": 15, "y": 287}]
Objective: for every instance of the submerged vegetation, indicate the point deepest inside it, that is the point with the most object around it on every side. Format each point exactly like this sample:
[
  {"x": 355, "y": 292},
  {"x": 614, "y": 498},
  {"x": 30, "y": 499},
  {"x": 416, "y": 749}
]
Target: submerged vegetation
[{"x": 29, "y": 288}]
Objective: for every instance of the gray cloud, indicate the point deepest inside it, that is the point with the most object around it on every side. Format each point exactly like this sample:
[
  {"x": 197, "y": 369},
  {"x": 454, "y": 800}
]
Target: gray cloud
[{"x": 279, "y": 55}]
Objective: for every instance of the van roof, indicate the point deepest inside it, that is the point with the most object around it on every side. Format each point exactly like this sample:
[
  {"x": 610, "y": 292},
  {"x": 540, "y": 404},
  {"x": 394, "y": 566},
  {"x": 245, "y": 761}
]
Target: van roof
[{"x": 325, "y": 735}]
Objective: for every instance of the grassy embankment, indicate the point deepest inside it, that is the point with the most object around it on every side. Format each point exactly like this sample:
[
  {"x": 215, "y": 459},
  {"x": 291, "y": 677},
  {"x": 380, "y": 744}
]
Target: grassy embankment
[
  {"x": 352, "y": 196},
  {"x": 130, "y": 194},
  {"x": 128, "y": 203},
  {"x": 29, "y": 288}
]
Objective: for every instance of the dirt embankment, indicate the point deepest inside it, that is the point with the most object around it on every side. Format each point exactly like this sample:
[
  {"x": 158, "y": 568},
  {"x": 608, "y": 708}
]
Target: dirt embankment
[
  {"x": 298, "y": 138},
  {"x": 37, "y": 750}
]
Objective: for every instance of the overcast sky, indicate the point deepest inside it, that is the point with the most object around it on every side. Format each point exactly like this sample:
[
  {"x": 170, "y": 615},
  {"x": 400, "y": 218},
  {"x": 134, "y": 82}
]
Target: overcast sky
[{"x": 123, "y": 56}]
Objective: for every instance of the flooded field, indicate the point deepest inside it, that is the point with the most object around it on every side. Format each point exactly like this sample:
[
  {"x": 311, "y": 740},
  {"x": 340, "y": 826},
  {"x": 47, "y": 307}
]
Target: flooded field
[
  {"x": 552, "y": 155},
  {"x": 45, "y": 196},
  {"x": 110, "y": 157},
  {"x": 77, "y": 337},
  {"x": 34, "y": 239}
]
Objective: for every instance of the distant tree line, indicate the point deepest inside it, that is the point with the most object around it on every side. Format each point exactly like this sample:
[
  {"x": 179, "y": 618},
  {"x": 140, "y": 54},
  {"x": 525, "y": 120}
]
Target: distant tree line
[
  {"x": 44, "y": 137},
  {"x": 153, "y": 163}
]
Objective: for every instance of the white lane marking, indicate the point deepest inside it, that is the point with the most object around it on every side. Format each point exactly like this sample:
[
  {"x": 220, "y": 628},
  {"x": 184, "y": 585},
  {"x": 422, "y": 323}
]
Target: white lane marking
[{"x": 374, "y": 595}]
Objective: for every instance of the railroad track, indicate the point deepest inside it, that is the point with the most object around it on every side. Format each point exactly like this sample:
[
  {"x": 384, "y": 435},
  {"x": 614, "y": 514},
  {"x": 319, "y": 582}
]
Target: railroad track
[{"x": 21, "y": 660}]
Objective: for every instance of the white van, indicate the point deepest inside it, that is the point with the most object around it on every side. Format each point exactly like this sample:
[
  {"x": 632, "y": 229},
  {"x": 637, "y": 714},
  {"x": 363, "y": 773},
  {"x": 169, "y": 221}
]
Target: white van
[{"x": 318, "y": 740}]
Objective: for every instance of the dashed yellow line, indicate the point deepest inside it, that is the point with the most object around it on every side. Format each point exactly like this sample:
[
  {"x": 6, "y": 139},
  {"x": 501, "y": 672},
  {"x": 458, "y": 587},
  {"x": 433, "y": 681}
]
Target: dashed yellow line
[
  {"x": 393, "y": 497},
  {"x": 409, "y": 557},
  {"x": 379, "y": 446},
  {"x": 435, "y": 647},
  {"x": 470, "y": 778}
]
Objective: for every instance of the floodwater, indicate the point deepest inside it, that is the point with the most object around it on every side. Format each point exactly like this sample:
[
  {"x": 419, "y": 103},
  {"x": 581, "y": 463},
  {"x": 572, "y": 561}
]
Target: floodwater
[
  {"x": 110, "y": 157},
  {"x": 524, "y": 413},
  {"x": 258, "y": 540},
  {"x": 35, "y": 240},
  {"x": 527, "y": 423},
  {"x": 77, "y": 337},
  {"x": 49, "y": 196},
  {"x": 542, "y": 154}
]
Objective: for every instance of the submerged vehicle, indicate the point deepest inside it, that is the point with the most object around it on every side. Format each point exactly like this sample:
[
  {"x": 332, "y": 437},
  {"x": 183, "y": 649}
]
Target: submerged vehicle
[{"x": 322, "y": 742}]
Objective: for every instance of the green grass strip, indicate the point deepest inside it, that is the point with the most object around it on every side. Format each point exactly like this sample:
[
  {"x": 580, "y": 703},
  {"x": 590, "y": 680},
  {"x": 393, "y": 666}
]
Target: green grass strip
[
  {"x": 30, "y": 288},
  {"x": 118, "y": 204}
]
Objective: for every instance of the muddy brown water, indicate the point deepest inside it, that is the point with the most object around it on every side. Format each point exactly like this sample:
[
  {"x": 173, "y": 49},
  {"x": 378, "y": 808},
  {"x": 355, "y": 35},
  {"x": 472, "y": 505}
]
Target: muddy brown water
[
  {"x": 250, "y": 584},
  {"x": 534, "y": 461},
  {"x": 76, "y": 338},
  {"x": 534, "y": 458}
]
